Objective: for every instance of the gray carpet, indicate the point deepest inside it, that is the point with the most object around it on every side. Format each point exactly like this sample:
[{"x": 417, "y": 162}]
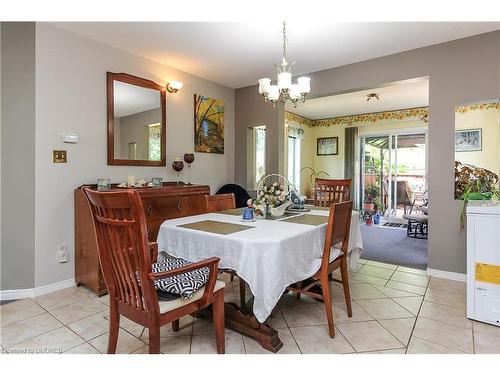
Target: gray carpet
[{"x": 391, "y": 245}]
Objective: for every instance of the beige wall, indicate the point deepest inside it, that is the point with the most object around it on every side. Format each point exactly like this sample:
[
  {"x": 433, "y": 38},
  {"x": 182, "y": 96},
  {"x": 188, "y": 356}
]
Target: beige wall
[
  {"x": 71, "y": 97},
  {"x": 18, "y": 155},
  {"x": 488, "y": 121},
  {"x": 459, "y": 71}
]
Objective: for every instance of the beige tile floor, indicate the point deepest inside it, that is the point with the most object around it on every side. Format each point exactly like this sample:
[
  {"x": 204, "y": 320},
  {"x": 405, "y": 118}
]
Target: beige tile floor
[{"x": 395, "y": 310}]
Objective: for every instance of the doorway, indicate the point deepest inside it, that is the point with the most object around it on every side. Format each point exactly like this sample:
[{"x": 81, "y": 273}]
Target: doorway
[{"x": 393, "y": 172}]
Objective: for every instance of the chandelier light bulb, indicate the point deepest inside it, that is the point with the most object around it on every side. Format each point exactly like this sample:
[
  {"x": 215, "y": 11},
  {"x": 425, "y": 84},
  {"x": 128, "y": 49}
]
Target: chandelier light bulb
[
  {"x": 264, "y": 86},
  {"x": 284, "y": 80},
  {"x": 304, "y": 84}
]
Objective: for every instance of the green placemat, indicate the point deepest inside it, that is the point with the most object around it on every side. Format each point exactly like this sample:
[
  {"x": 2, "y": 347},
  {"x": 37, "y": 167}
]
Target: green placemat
[
  {"x": 308, "y": 219},
  {"x": 286, "y": 214},
  {"x": 218, "y": 227},
  {"x": 316, "y": 208},
  {"x": 232, "y": 211}
]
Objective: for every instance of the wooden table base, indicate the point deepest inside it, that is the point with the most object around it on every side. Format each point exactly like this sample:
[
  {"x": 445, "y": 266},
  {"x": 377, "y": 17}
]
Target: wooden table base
[
  {"x": 237, "y": 319},
  {"x": 240, "y": 321}
]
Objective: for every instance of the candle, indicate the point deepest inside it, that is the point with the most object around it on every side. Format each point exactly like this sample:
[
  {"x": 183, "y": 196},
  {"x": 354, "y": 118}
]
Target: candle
[{"x": 131, "y": 180}]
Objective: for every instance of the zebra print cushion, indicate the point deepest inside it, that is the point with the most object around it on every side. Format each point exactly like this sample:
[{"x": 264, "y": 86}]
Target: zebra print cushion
[{"x": 184, "y": 284}]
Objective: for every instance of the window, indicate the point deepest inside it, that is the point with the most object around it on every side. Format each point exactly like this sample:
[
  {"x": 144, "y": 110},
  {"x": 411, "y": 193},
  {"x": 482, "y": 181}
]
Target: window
[
  {"x": 154, "y": 146},
  {"x": 294, "y": 161},
  {"x": 259, "y": 153}
]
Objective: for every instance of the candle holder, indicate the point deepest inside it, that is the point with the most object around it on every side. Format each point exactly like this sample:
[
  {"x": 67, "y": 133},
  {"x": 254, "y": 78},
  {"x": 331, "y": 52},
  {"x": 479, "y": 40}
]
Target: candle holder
[
  {"x": 178, "y": 166},
  {"x": 189, "y": 158}
]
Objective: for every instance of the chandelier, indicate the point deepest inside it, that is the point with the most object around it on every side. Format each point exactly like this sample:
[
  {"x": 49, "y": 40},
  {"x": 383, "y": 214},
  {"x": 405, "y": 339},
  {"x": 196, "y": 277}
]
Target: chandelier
[{"x": 285, "y": 89}]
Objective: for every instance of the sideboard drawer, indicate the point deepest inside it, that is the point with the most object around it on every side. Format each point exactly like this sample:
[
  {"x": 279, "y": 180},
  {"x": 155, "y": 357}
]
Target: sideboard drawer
[{"x": 164, "y": 207}]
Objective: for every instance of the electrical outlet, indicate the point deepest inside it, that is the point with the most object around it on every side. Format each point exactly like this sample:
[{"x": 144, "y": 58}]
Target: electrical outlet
[{"x": 62, "y": 253}]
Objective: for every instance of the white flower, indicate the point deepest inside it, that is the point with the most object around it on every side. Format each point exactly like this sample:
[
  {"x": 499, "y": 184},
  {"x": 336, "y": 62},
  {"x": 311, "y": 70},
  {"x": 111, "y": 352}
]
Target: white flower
[
  {"x": 249, "y": 202},
  {"x": 272, "y": 189},
  {"x": 275, "y": 184}
]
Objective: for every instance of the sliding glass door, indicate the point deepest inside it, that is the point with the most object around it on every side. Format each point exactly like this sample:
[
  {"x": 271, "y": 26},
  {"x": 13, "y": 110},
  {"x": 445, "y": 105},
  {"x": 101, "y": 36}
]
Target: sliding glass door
[{"x": 393, "y": 172}]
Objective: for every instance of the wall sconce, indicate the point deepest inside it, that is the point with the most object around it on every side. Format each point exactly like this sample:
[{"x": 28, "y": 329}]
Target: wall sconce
[{"x": 174, "y": 86}]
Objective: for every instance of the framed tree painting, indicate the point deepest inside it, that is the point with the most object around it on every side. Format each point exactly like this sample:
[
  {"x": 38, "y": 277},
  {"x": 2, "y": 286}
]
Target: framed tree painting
[
  {"x": 327, "y": 146},
  {"x": 208, "y": 125}
]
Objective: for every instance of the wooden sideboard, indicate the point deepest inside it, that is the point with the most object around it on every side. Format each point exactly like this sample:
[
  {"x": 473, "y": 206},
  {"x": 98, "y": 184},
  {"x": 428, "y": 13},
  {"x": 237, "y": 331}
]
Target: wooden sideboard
[{"x": 160, "y": 203}]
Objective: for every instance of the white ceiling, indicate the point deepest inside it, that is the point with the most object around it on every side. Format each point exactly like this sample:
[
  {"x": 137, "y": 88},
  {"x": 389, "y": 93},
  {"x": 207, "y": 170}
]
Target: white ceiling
[
  {"x": 399, "y": 95},
  {"x": 130, "y": 99},
  {"x": 238, "y": 54}
]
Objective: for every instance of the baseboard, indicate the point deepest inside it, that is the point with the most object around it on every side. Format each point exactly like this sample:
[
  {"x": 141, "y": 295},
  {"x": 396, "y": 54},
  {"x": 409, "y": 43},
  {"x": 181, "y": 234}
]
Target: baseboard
[
  {"x": 6, "y": 295},
  {"x": 46, "y": 289},
  {"x": 455, "y": 276}
]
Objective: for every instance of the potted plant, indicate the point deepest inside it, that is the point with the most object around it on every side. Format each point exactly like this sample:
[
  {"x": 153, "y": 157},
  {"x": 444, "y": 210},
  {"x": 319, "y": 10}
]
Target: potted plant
[
  {"x": 370, "y": 203},
  {"x": 474, "y": 183}
]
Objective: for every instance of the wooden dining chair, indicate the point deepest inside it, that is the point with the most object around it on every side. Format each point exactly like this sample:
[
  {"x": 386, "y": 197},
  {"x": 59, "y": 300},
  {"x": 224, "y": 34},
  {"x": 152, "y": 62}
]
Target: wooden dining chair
[
  {"x": 219, "y": 202},
  {"x": 334, "y": 256},
  {"x": 126, "y": 257},
  {"x": 328, "y": 191}
]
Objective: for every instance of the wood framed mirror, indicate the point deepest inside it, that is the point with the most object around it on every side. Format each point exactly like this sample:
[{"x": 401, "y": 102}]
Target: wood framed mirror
[{"x": 136, "y": 121}]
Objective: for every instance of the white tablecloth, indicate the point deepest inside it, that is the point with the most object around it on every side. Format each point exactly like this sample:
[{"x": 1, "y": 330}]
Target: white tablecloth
[{"x": 269, "y": 257}]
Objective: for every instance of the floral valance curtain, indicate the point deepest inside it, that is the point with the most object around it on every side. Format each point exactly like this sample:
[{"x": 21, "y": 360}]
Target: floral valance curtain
[{"x": 295, "y": 131}]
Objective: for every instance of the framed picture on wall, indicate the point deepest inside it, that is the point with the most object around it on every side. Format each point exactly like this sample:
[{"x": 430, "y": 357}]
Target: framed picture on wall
[
  {"x": 468, "y": 140},
  {"x": 327, "y": 146},
  {"x": 208, "y": 124}
]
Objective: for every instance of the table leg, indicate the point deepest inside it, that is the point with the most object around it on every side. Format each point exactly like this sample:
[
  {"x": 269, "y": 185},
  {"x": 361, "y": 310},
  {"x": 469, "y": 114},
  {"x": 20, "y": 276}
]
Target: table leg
[{"x": 239, "y": 320}]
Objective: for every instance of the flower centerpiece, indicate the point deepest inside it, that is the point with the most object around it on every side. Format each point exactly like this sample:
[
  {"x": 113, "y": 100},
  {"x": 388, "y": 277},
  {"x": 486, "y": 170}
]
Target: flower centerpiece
[{"x": 272, "y": 197}]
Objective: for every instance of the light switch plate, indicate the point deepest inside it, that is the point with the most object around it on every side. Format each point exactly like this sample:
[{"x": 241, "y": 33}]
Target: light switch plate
[
  {"x": 69, "y": 137},
  {"x": 59, "y": 156}
]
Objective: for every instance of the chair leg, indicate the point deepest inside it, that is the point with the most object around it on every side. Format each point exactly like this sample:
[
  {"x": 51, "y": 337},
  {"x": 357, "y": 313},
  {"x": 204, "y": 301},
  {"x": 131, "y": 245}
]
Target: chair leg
[
  {"x": 242, "y": 292},
  {"x": 325, "y": 287},
  {"x": 114, "y": 328},
  {"x": 218, "y": 317},
  {"x": 299, "y": 285},
  {"x": 175, "y": 325},
  {"x": 154, "y": 339},
  {"x": 345, "y": 284}
]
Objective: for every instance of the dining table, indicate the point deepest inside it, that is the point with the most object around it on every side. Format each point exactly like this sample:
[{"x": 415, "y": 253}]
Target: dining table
[{"x": 268, "y": 254}]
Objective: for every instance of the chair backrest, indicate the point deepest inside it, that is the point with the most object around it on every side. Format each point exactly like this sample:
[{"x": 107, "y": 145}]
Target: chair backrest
[
  {"x": 219, "y": 202},
  {"x": 337, "y": 230},
  {"x": 329, "y": 191},
  {"x": 123, "y": 247},
  {"x": 241, "y": 196},
  {"x": 404, "y": 192}
]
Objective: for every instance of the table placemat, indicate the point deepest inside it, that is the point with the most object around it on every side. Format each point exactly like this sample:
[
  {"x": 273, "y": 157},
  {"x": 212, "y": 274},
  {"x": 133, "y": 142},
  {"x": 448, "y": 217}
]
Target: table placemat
[
  {"x": 316, "y": 208},
  {"x": 217, "y": 227},
  {"x": 286, "y": 214},
  {"x": 307, "y": 219},
  {"x": 232, "y": 211}
]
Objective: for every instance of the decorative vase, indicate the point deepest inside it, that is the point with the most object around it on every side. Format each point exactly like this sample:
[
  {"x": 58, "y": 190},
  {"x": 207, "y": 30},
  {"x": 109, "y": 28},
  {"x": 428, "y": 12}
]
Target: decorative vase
[{"x": 280, "y": 210}]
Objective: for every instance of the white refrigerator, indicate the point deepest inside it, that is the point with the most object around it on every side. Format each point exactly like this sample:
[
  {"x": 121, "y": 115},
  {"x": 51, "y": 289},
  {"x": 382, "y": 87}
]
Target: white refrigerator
[{"x": 483, "y": 261}]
